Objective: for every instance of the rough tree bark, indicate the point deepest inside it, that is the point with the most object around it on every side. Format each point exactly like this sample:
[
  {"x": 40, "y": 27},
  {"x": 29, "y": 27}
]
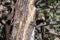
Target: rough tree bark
[{"x": 25, "y": 11}]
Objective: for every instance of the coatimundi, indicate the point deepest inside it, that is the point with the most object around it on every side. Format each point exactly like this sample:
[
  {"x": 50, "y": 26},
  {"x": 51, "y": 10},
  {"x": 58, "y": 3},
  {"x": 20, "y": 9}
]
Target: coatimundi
[{"x": 40, "y": 19}]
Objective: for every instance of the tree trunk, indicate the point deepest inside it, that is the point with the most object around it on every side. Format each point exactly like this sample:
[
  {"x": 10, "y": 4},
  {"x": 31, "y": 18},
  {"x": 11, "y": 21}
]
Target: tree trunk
[{"x": 24, "y": 13}]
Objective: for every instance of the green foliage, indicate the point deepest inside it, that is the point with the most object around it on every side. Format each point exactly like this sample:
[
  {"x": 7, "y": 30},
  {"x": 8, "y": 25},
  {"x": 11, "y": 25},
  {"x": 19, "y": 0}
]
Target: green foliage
[{"x": 53, "y": 12}]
